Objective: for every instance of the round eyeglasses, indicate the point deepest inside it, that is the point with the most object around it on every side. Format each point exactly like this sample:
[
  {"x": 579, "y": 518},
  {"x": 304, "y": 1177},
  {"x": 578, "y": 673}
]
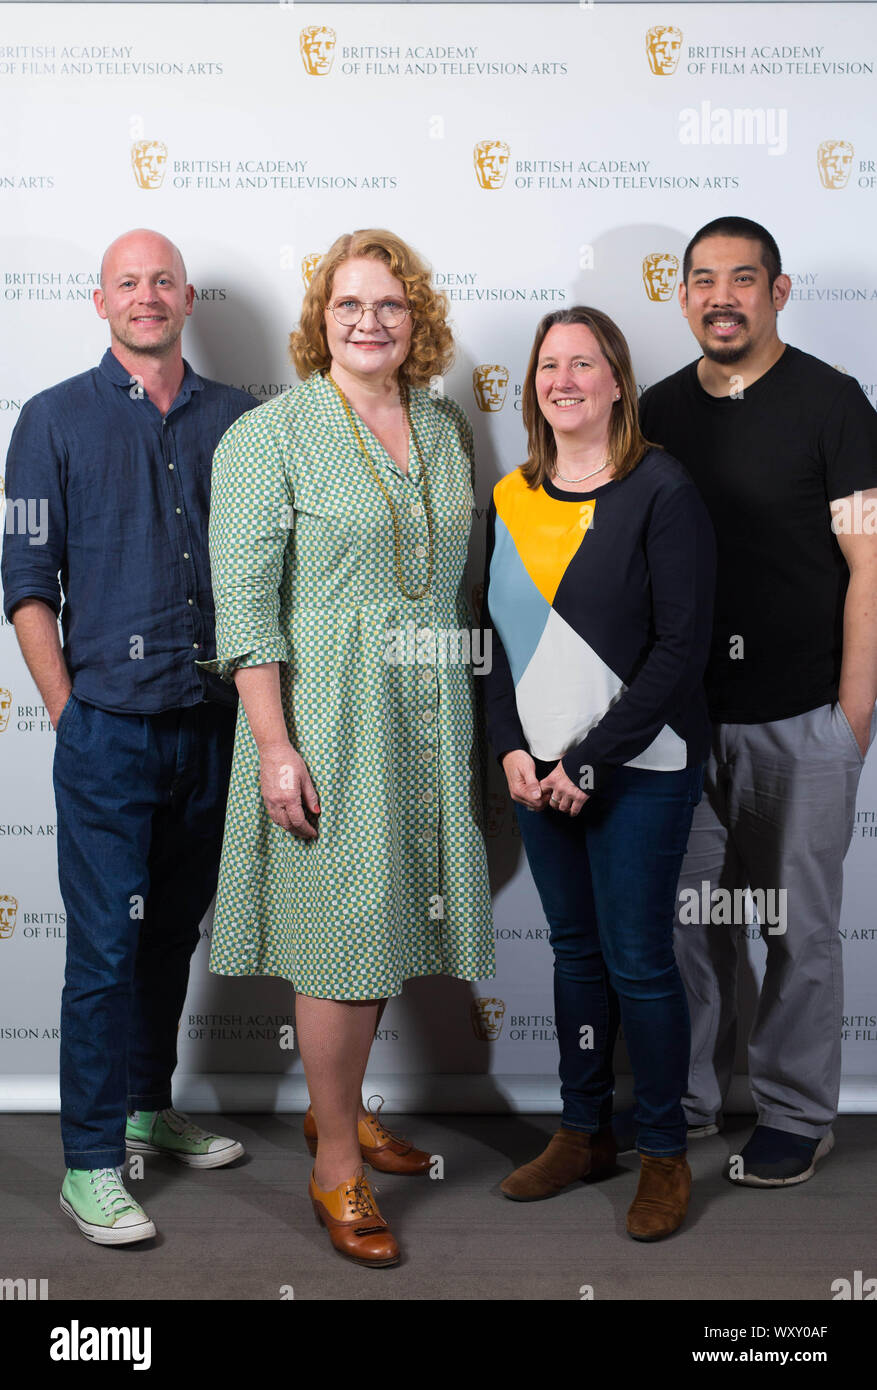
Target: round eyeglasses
[{"x": 388, "y": 312}]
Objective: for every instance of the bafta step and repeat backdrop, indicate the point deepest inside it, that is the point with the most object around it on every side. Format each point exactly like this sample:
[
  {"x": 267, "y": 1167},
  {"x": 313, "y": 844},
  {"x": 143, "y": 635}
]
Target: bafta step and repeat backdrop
[{"x": 538, "y": 156}]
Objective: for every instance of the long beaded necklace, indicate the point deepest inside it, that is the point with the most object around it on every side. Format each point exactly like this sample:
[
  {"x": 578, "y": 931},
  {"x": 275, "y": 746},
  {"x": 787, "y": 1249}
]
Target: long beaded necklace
[{"x": 397, "y": 545}]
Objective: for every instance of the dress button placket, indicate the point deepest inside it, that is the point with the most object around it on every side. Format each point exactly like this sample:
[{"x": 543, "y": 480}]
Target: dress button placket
[{"x": 425, "y": 801}]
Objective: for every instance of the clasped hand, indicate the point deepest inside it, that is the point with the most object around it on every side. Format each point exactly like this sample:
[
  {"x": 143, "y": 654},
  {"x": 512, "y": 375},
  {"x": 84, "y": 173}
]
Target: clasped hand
[{"x": 555, "y": 790}]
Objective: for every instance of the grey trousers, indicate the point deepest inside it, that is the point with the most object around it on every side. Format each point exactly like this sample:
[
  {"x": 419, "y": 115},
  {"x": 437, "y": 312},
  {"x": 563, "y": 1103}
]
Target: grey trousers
[{"x": 777, "y": 813}]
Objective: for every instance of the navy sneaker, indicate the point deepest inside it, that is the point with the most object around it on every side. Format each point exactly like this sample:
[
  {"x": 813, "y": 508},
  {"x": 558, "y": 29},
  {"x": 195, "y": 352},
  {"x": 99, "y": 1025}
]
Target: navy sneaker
[{"x": 775, "y": 1158}]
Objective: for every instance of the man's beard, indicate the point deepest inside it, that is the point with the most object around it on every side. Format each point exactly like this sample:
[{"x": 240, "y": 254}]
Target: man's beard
[
  {"x": 725, "y": 354},
  {"x": 158, "y": 347}
]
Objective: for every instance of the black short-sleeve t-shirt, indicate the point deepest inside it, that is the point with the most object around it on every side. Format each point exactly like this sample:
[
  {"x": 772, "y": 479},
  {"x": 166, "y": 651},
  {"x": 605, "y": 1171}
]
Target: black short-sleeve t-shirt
[{"x": 768, "y": 463}]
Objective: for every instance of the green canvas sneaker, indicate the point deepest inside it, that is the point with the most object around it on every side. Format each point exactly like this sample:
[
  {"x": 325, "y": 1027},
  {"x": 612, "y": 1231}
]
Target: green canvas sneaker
[
  {"x": 169, "y": 1132},
  {"x": 103, "y": 1210}
]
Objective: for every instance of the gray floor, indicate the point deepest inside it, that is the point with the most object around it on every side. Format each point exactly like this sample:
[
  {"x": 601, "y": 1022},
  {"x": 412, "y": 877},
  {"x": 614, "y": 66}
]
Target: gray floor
[{"x": 246, "y": 1231}]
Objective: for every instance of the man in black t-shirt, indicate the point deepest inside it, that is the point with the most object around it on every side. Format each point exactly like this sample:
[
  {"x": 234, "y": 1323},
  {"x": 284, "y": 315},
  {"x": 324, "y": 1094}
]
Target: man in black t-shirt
[{"x": 784, "y": 451}]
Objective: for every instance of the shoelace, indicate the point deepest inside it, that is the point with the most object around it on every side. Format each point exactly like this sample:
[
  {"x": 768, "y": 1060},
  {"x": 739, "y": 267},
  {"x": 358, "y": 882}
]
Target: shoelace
[
  {"x": 360, "y": 1198},
  {"x": 109, "y": 1191},
  {"x": 363, "y": 1203},
  {"x": 182, "y": 1125},
  {"x": 384, "y": 1132}
]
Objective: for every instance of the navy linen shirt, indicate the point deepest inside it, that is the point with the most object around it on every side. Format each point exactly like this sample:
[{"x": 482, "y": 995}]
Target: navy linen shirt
[{"x": 112, "y": 515}]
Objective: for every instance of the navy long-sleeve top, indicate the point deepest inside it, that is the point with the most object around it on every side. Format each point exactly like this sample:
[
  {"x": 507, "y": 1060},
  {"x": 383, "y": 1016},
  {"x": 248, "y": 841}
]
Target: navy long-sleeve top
[
  {"x": 601, "y": 609},
  {"x": 107, "y": 510}
]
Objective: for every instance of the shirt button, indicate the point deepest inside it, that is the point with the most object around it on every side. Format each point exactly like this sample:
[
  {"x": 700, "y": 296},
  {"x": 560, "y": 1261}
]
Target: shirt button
[
  {"x": 190, "y": 601},
  {"x": 425, "y": 674},
  {"x": 171, "y": 467},
  {"x": 427, "y": 795},
  {"x": 178, "y": 510},
  {"x": 185, "y": 554},
  {"x": 426, "y": 755},
  {"x": 427, "y": 716},
  {"x": 196, "y": 645},
  {"x": 420, "y": 551},
  {"x": 416, "y": 509}
]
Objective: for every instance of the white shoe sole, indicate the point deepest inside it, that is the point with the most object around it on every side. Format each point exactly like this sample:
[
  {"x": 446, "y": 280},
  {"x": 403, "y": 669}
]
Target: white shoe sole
[
  {"x": 702, "y": 1131},
  {"x": 214, "y": 1160},
  {"x": 824, "y": 1147},
  {"x": 109, "y": 1235}
]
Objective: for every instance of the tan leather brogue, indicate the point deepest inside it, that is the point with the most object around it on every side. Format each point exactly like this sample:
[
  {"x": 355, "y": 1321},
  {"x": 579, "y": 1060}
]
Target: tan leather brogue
[
  {"x": 383, "y": 1151},
  {"x": 356, "y": 1228}
]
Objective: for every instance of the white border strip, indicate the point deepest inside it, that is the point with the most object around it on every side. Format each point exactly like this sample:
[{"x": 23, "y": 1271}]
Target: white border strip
[{"x": 448, "y": 1094}]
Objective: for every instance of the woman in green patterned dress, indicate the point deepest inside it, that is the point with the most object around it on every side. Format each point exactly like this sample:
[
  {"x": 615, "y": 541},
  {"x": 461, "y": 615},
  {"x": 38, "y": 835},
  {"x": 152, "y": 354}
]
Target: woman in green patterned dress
[{"x": 354, "y": 856}]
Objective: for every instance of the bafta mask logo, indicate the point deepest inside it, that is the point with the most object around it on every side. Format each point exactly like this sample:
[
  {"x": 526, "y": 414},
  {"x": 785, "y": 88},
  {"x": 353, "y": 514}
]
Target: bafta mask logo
[
  {"x": 835, "y": 160},
  {"x": 8, "y": 911},
  {"x": 663, "y": 43},
  {"x": 489, "y": 384},
  {"x": 660, "y": 269},
  {"x": 491, "y": 162},
  {"x": 317, "y": 44},
  {"x": 487, "y": 1016},
  {"x": 309, "y": 265},
  {"x": 5, "y": 708},
  {"x": 148, "y": 158}
]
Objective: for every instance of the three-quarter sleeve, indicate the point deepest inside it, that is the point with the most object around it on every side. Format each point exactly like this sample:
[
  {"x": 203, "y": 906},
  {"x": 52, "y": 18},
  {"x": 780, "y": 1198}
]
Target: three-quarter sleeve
[{"x": 251, "y": 520}]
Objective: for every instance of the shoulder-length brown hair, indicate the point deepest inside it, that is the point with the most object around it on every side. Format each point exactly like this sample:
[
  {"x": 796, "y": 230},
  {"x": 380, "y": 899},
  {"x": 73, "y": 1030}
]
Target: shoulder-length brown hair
[
  {"x": 432, "y": 345},
  {"x": 627, "y": 444}
]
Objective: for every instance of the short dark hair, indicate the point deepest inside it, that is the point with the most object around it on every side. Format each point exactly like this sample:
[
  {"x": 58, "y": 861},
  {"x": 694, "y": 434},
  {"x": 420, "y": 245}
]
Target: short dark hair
[{"x": 742, "y": 227}]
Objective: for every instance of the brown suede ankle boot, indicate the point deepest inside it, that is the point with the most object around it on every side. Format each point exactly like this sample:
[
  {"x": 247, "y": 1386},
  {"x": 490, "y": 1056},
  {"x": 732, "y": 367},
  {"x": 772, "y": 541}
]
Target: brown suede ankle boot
[
  {"x": 570, "y": 1156},
  {"x": 661, "y": 1199}
]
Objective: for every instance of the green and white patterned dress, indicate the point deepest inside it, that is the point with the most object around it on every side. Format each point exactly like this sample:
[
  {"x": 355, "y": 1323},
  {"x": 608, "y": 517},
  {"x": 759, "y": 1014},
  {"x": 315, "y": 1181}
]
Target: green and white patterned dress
[{"x": 302, "y": 558}]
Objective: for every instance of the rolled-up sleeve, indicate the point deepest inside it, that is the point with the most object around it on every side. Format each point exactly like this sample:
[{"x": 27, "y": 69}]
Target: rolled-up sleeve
[
  {"x": 36, "y": 512},
  {"x": 251, "y": 520}
]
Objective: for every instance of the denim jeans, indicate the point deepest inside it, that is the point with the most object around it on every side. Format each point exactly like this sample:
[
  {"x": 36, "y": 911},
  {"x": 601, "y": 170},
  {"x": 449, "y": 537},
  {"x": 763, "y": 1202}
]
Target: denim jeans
[
  {"x": 141, "y": 803},
  {"x": 608, "y": 881}
]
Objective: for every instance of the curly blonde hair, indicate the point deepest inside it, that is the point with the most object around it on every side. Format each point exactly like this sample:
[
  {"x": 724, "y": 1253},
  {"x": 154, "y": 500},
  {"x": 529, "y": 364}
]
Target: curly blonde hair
[{"x": 432, "y": 344}]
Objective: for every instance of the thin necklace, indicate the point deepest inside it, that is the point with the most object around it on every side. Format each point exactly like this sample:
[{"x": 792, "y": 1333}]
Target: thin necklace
[
  {"x": 564, "y": 479},
  {"x": 397, "y": 545}
]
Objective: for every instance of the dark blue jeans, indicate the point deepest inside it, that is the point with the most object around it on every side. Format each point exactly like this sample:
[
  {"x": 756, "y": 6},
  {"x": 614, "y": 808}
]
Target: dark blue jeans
[
  {"x": 608, "y": 882},
  {"x": 141, "y": 804}
]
